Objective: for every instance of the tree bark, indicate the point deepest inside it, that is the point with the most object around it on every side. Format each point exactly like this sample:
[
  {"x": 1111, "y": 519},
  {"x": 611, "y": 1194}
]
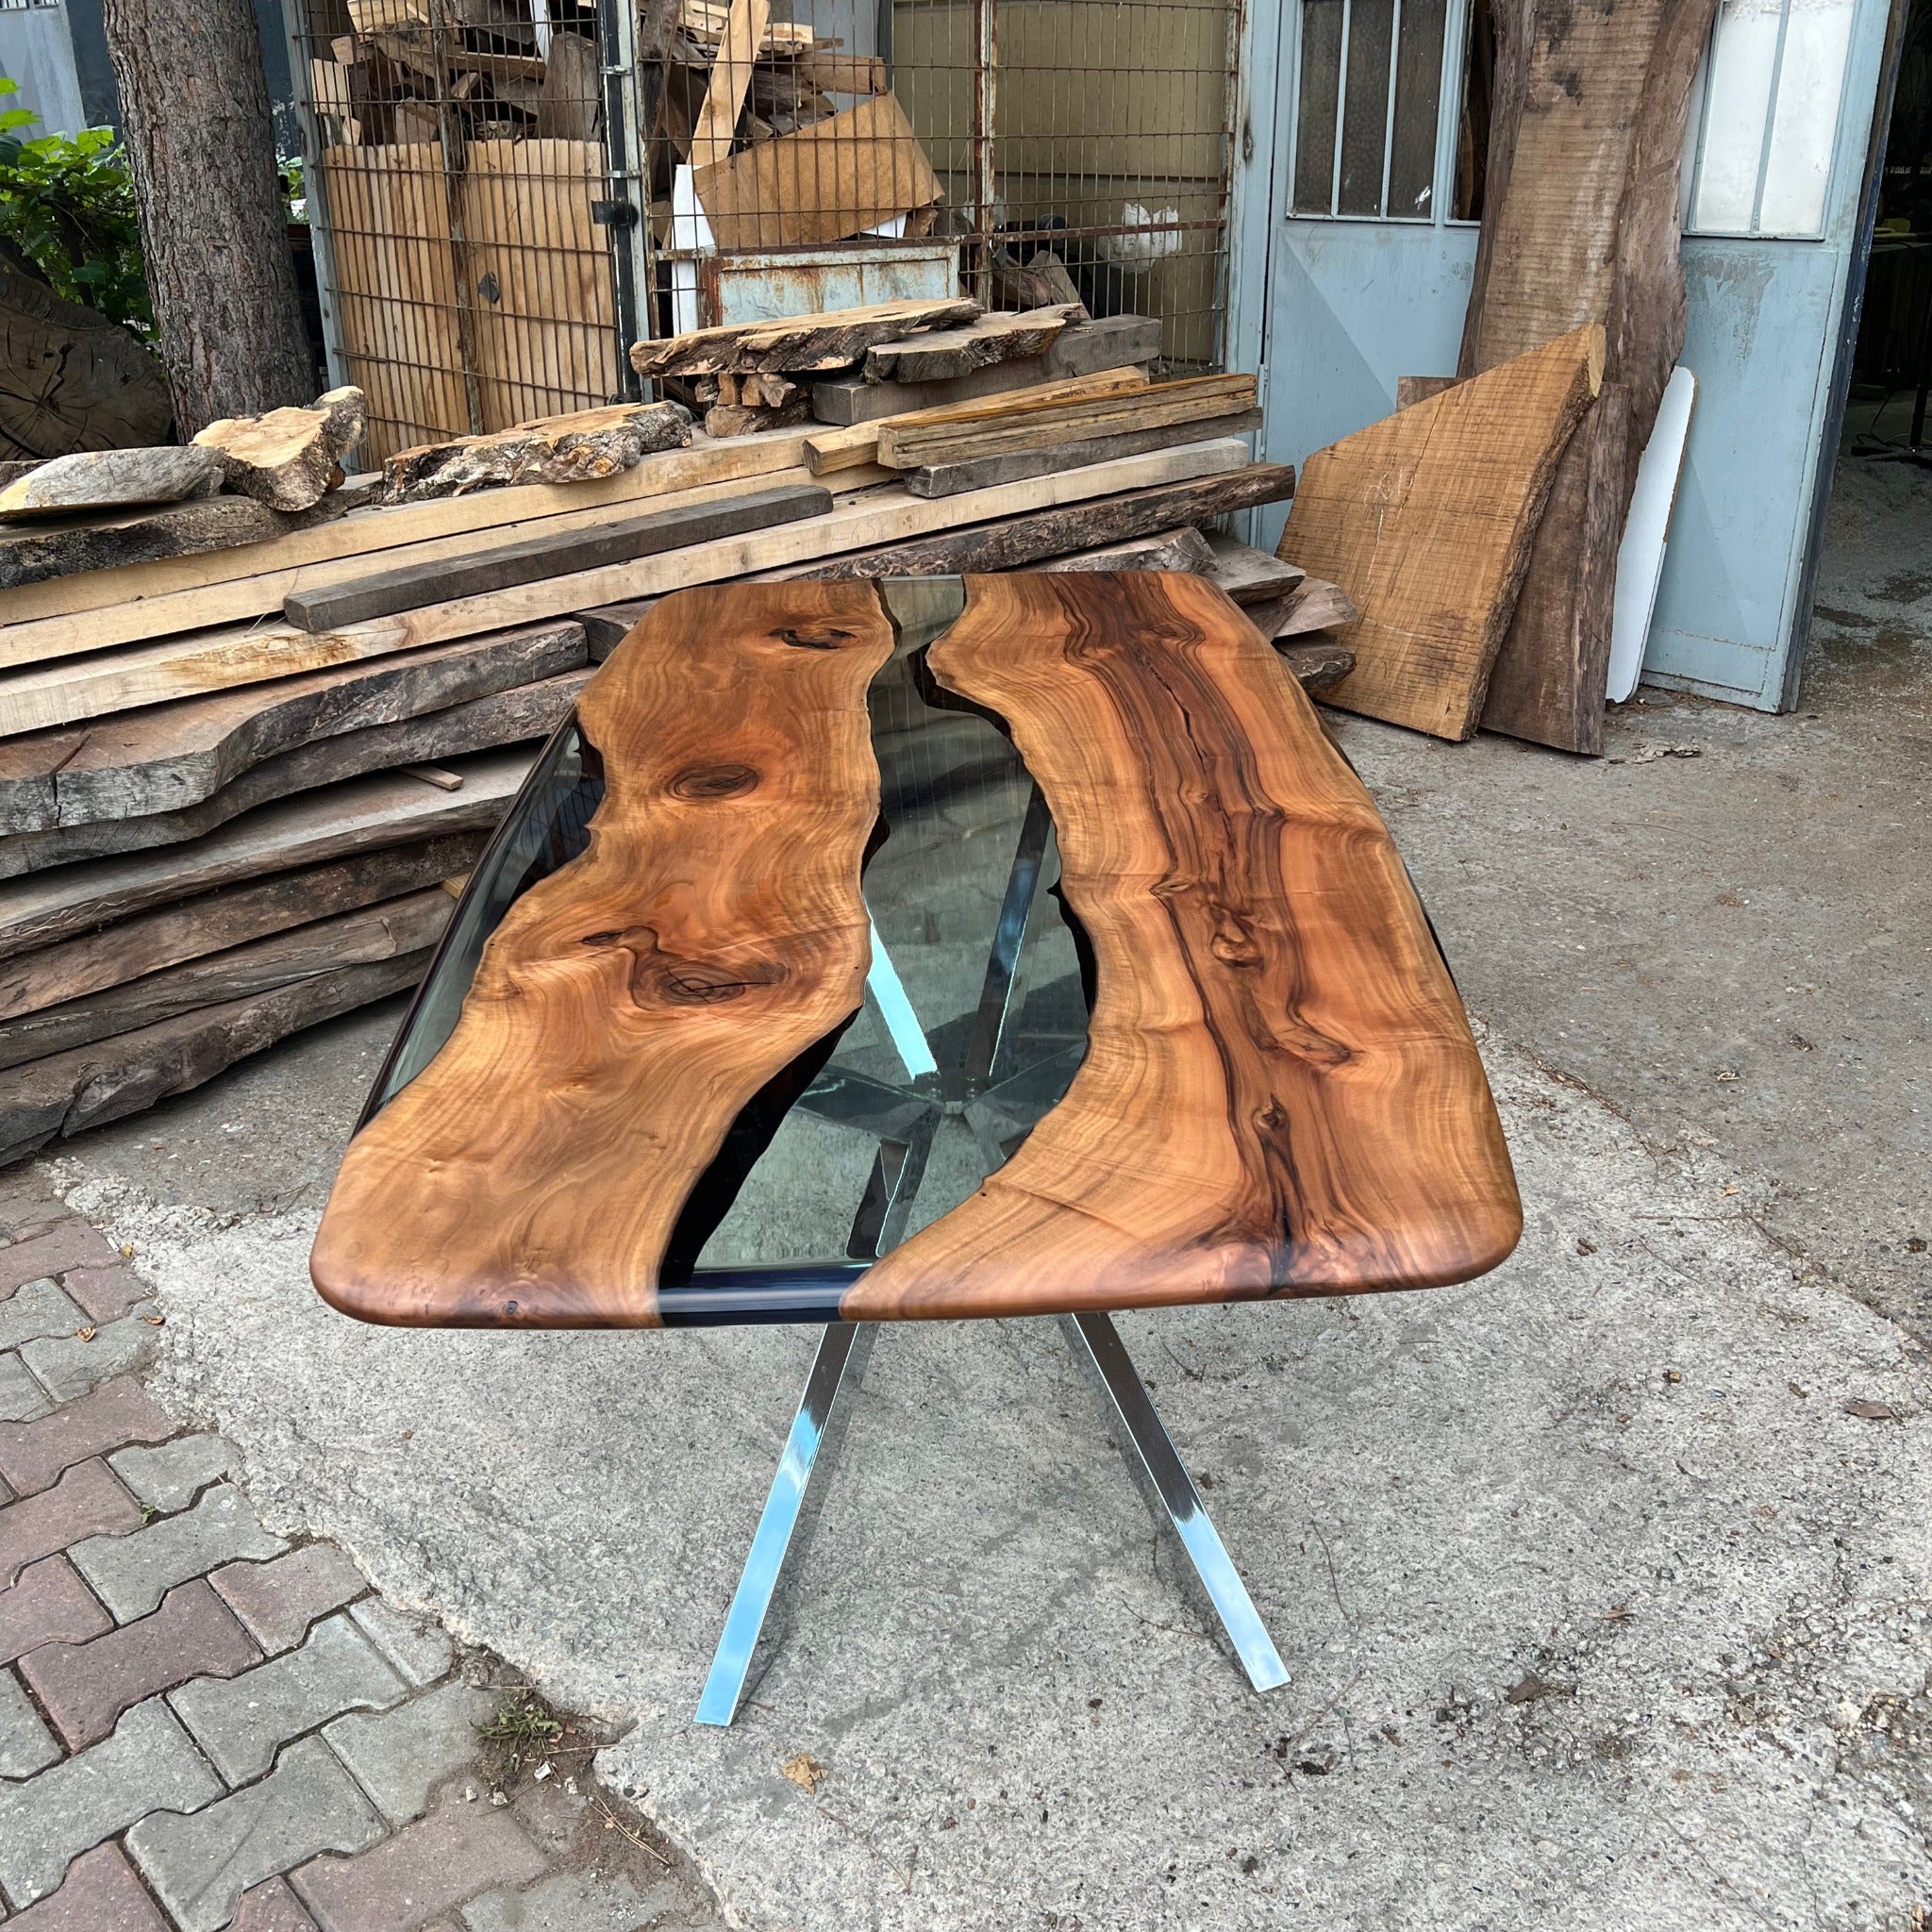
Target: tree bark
[{"x": 202, "y": 149}]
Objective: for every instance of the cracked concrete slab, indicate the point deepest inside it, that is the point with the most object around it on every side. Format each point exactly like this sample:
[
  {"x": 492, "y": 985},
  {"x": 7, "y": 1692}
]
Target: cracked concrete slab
[{"x": 1617, "y": 1478}]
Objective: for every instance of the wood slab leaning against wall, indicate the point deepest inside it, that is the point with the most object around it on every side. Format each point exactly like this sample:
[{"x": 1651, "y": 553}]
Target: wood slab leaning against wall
[{"x": 1426, "y": 518}]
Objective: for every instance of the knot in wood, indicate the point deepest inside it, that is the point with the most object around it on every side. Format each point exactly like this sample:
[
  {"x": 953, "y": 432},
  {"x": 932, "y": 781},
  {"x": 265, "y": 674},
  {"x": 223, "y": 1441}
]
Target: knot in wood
[
  {"x": 1233, "y": 944},
  {"x": 819, "y": 638},
  {"x": 701, "y": 783},
  {"x": 693, "y": 983}
]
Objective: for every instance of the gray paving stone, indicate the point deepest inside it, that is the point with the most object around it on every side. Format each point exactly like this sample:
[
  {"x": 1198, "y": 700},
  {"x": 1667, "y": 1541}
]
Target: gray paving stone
[
  {"x": 21, "y": 1397},
  {"x": 200, "y": 1866},
  {"x": 67, "y": 1367},
  {"x": 576, "y": 1902},
  {"x": 26, "y": 1745},
  {"x": 149, "y": 1764},
  {"x": 399, "y": 1756},
  {"x": 168, "y": 1476},
  {"x": 36, "y": 1308},
  {"x": 131, "y": 1574},
  {"x": 417, "y": 1646},
  {"x": 241, "y": 1721}
]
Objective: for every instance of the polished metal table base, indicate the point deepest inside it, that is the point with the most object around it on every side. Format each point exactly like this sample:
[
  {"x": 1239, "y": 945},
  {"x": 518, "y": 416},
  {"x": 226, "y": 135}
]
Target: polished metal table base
[{"x": 755, "y": 1625}]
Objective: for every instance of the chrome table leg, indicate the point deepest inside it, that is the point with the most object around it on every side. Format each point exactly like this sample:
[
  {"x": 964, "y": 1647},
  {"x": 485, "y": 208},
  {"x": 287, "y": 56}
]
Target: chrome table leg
[
  {"x": 811, "y": 1451},
  {"x": 1171, "y": 1493}
]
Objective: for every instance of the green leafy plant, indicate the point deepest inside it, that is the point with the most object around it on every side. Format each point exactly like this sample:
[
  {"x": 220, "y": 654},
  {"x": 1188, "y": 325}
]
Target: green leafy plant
[{"x": 68, "y": 205}]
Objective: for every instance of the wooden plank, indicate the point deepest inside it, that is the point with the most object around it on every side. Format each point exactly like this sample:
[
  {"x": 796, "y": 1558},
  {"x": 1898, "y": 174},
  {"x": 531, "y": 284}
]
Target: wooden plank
[
  {"x": 33, "y": 552},
  {"x": 584, "y": 446},
  {"x": 169, "y": 757},
  {"x": 1111, "y": 341},
  {"x": 829, "y": 181},
  {"x": 1313, "y": 605},
  {"x": 1247, "y": 575},
  {"x": 1280, "y": 1094},
  {"x": 386, "y": 592},
  {"x": 828, "y": 451},
  {"x": 828, "y": 340},
  {"x": 92, "y": 1085},
  {"x": 216, "y": 661},
  {"x": 1316, "y": 662},
  {"x": 396, "y": 290},
  {"x": 169, "y": 612},
  {"x": 732, "y": 757},
  {"x": 1015, "y": 540},
  {"x": 1013, "y": 466},
  {"x": 212, "y": 921},
  {"x": 95, "y": 481},
  {"x": 1183, "y": 549},
  {"x": 947, "y": 353},
  {"x": 607, "y": 626},
  {"x": 1425, "y": 520},
  {"x": 818, "y": 71},
  {"x": 745, "y": 33},
  {"x": 406, "y": 925},
  {"x": 360, "y": 815},
  {"x": 1581, "y": 224},
  {"x": 1418, "y": 389},
  {"x": 545, "y": 338},
  {"x": 506, "y": 717},
  {"x": 1031, "y": 422},
  {"x": 1550, "y": 674},
  {"x": 570, "y": 106}
]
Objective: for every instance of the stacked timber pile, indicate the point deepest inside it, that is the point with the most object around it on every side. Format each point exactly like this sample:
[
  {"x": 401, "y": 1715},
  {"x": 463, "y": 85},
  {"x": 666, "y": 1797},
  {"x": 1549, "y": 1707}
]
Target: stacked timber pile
[{"x": 246, "y": 754}]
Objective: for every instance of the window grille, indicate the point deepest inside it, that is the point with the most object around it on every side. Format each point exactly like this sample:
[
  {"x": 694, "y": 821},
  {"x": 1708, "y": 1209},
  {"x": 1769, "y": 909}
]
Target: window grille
[{"x": 1761, "y": 143}]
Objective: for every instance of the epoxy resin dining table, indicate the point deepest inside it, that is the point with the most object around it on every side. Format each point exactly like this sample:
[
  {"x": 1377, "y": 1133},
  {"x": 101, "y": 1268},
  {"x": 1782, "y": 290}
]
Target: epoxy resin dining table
[{"x": 935, "y": 947}]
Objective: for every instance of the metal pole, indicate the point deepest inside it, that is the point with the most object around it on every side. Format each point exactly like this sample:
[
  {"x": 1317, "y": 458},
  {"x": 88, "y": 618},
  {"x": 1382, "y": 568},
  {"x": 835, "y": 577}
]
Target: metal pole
[{"x": 985, "y": 88}]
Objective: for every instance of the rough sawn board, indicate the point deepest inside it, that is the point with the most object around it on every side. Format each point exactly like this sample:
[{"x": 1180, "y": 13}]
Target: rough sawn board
[{"x": 1425, "y": 518}]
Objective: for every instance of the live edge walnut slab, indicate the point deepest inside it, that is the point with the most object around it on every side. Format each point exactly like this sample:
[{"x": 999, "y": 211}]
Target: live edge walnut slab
[{"x": 1279, "y": 1093}]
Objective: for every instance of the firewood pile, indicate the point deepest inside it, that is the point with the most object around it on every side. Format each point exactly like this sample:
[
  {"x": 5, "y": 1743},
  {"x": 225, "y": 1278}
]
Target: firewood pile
[{"x": 257, "y": 722}]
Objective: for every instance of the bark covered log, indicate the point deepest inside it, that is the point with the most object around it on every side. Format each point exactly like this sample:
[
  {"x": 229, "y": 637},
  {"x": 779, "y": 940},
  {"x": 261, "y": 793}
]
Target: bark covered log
[{"x": 201, "y": 147}]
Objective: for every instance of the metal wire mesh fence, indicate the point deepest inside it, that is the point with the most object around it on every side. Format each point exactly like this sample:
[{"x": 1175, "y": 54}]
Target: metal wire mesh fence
[
  {"x": 458, "y": 164},
  {"x": 1096, "y": 133},
  {"x": 462, "y": 174}
]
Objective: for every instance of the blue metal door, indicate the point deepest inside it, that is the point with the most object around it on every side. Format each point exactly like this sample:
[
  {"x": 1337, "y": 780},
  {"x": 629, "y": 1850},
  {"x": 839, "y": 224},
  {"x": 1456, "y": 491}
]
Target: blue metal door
[{"x": 1333, "y": 302}]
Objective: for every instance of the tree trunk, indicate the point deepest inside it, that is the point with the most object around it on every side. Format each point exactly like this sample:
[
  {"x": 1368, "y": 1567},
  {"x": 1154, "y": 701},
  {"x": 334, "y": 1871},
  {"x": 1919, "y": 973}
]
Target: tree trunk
[{"x": 202, "y": 149}]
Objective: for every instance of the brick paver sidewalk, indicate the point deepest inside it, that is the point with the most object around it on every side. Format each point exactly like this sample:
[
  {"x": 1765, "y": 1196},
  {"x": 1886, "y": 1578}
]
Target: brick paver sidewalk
[{"x": 202, "y": 1725}]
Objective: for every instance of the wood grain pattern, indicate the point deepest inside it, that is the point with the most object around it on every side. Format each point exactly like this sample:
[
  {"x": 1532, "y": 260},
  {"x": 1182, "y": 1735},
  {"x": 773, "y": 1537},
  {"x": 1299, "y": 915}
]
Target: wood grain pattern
[
  {"x": 212, "y": 921},
  {"x": 830, "y": 450},
  {"x": 1109, "y": 341},
  {"x": 1581, "y": 222},
  {"x": 1425, "y": 520},
  {"x": 409, "y": 925},
  {"x": 952, "y": 478},
  {"x": 172, "y": 756},
  {"x": 1280, "y": 1094},
  {"x": 1552, "y": 669},
  {"x": 358, "y": 815},
  {"x": 92, "y": 1085},
  {"x": 636, "y": 1000},
  {"x": 828, "y": 340},
  {"x": 504, "y": 717}
]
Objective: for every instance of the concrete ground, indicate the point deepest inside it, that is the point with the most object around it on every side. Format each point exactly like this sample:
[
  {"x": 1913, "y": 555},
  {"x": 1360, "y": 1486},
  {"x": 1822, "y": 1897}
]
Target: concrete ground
[{"x": 1604, "y": 1581}]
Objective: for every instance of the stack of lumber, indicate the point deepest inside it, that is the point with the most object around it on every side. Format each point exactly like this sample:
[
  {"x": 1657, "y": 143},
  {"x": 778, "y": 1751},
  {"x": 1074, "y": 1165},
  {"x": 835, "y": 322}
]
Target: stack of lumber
[
  {"x": 411, "y": 71},
  {"x": 753, "y": 106},
  {"x": 242, "y": 762}
]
